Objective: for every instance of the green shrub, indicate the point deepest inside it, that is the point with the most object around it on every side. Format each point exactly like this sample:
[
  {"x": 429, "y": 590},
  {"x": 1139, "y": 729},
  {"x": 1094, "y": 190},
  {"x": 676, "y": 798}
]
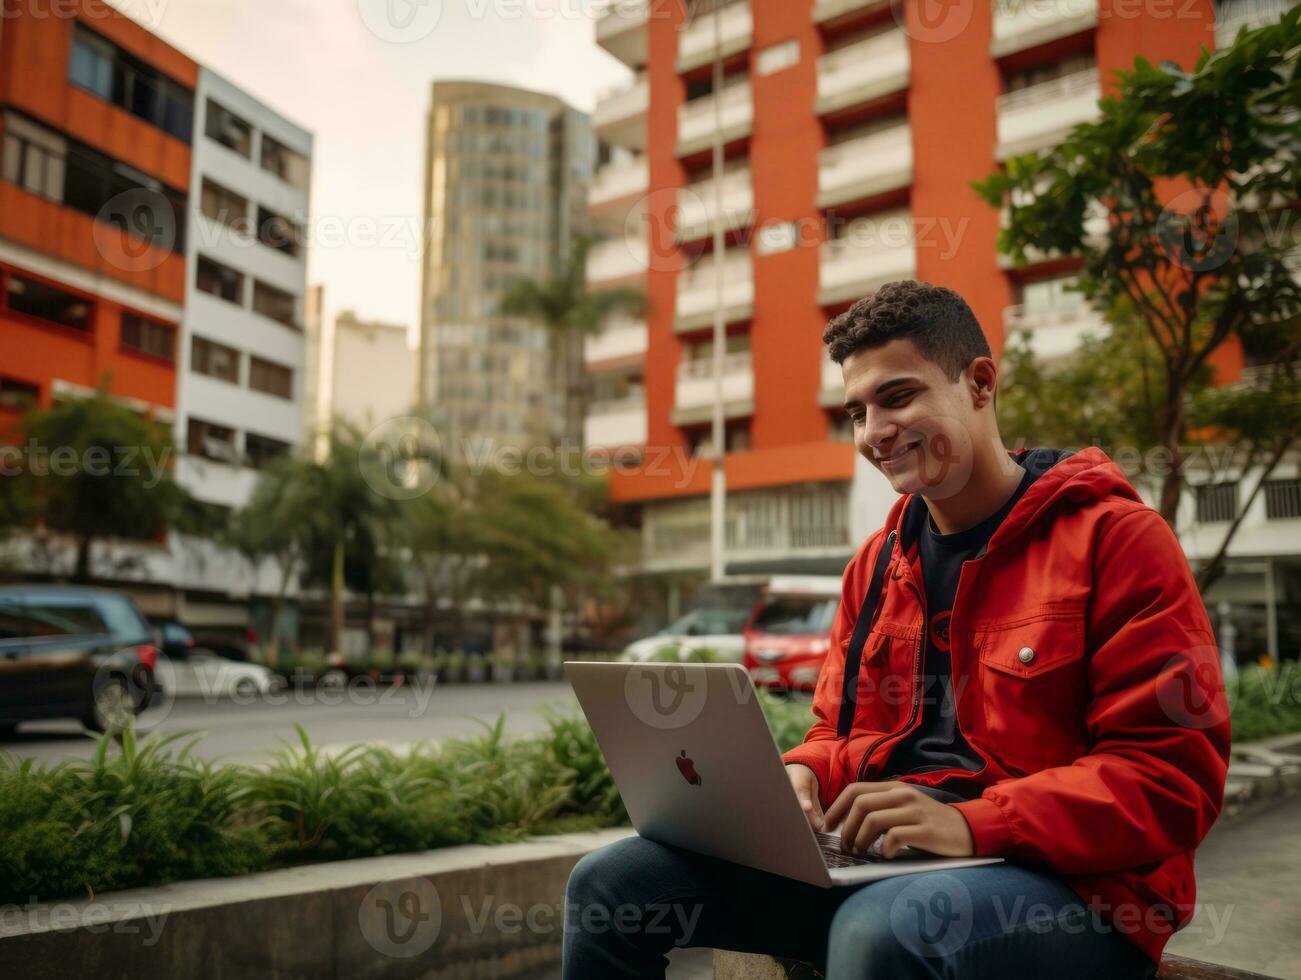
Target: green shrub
[{"x": 1265, "y": 701}]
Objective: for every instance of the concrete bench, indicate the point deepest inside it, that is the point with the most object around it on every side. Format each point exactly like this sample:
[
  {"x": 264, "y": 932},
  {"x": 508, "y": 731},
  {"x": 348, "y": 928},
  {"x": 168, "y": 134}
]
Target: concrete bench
[{"x": 744, "y": 966}]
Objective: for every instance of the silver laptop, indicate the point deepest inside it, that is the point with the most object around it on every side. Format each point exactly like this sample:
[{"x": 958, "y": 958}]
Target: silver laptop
[{"x": 697, "y": 767}]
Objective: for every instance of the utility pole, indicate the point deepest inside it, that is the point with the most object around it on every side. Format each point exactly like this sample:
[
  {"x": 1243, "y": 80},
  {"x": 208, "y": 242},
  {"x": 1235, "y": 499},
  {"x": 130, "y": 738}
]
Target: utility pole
[{"x": 718, "y": 484}]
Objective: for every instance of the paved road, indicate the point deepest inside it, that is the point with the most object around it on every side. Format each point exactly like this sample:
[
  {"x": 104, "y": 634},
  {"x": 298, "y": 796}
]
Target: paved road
[{"x": 246, "y": 732}]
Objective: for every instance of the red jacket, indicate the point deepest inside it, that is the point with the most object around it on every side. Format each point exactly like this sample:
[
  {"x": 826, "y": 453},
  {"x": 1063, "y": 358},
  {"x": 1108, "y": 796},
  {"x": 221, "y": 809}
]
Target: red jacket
[{"x": 1106, "y": 753}]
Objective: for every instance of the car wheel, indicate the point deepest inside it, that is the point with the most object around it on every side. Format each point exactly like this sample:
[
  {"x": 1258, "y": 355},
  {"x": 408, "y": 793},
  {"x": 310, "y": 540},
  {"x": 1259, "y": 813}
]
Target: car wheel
[
  {"x": 8, "y": 732},
  {"x": 334, "y": 680},
  {"x": 112, "y": 708}
]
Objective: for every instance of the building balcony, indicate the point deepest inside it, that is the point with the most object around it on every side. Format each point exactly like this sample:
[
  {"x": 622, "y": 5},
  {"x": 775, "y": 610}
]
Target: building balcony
[
  {"x": 831, "y": 392},
  {"x": 1054, "y": 332},
  {"x": 621, "y": 29},
  {"x": 620, "y": 115},
  {"x": 698, "y": 208},
  {"x": 616, "y": 260},
  {"x": 693, "y": 398},
  {"x": 1233, "y": 15},
  {"x": 1097, "y": 226},
  {"x": 865, "y": 167},
  {"x": 1041, "y": 116},
  {"x": 1020, "y": 26},
  {"x": 619, "y": 180},
  {"x": 622, "y": 340},
  {"x": 617, "y": 424},
  {"x": 698, "y": 291},
  {"x": 825, "y": 11},
  {"x": 862, "y": 72},
  {"x": 696, "y": 42},
  {"x": 872, "y": 251},
  {"x": 696, "y": 123}
]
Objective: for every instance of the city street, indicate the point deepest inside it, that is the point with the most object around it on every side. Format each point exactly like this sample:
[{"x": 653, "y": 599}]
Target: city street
[{"x": 246, "y": 732}]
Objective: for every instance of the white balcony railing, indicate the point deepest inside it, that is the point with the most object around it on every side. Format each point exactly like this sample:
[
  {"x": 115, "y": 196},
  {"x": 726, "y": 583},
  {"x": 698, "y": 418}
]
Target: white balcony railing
[
  {"x": 698, "y": 211},
  {"x": 696, "y": 43},
  {"x": 697, "y": 291},
  {"x": 825, "y": 10},
  {"x": 621, "y": 29},
  {"x": 1057, "y": 331},
  {"x": 616, "y": 424},
  {"x": 619, "y": 179},
  {"x": 1233, "y": 15},
  {"x": 1042, "y": 115},
  {"x": 617, "y": 258},
  {"x": 864, "y": 71},
  {"x": 872, "y": 164},
  {"x": 620, "y": 115},
  {"x": 1022, "y": 24},
  {"x": 621, "y": 338},
  {"x": 872, "y": 251},
  {"x": 831, "y": 393},
  {"x": 694, "y": 395},
  {"x": 696, "y": 118}
]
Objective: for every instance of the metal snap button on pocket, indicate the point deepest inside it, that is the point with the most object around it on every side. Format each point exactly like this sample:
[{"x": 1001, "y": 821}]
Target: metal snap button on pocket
[{"x": 1026, "y": 655}]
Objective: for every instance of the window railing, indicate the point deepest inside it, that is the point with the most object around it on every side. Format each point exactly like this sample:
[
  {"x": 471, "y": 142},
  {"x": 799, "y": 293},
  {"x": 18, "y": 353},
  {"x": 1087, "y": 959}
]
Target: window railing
[{"x": 1049, "y": 91}]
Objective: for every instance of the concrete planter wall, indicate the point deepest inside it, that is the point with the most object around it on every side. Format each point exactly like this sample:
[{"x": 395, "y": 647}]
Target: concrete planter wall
[{"x": 459, "y": 913}]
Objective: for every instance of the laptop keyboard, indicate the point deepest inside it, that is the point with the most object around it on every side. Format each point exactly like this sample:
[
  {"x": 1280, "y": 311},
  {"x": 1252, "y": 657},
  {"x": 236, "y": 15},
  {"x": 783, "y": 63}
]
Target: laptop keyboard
[{"x": 829, "y": 844}]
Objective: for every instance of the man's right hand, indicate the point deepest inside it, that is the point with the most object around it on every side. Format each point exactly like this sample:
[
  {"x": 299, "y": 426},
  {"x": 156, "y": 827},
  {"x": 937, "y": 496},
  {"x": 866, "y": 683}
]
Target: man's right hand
[{"x": 806, "y": 789}]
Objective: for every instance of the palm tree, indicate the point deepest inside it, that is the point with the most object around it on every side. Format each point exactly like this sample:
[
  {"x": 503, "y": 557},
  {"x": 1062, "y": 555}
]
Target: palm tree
[{"x": 570, "y": 313}]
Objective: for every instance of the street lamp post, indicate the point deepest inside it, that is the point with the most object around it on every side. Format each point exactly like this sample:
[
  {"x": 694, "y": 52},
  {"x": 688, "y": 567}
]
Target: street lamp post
[{"x": 718, "y": 483}]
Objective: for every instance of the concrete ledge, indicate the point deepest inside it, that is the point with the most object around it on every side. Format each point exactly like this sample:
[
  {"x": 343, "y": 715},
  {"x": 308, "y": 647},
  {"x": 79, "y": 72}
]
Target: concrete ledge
[{"x": 463, "y": 912}]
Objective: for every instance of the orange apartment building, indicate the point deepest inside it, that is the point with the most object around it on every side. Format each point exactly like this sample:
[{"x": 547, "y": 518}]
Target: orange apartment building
[
  {"x": 852, "y": 130},
  {"x": 96, "y": 117}
]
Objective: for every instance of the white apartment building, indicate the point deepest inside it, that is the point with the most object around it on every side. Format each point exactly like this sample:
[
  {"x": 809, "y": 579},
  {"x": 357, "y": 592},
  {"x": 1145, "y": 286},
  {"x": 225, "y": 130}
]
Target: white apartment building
[
  {"x": 374, "y": 373},
  {"x": 240, "y": 377}
]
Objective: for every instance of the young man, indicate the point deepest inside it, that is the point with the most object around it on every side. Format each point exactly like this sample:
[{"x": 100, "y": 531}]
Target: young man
[{"x": 1036, "y": 678}]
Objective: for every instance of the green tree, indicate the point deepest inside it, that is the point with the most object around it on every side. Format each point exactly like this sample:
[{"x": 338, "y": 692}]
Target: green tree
[
  {"x": 96, "y": 469},
  {"x": 1210, "y": 264},
  {"x": 276, "y": 525},
  {"x": 563, "y": 304}
]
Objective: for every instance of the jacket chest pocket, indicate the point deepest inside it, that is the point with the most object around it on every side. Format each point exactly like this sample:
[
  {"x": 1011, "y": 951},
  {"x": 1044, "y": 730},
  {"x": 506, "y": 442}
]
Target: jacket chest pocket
[
  {"x": 886, "y": 677},
  {"x": 1033, "y": 685}
]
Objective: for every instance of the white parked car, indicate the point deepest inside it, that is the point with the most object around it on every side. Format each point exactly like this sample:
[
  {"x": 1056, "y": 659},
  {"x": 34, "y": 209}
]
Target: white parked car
[
  {"x": 718, "y": 630},
  {"x": 202, "y": 673}
]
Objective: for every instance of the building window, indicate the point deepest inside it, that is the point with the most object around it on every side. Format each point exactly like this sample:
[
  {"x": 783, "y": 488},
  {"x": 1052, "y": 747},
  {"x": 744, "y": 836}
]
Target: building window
[
  {"x": 214, "y": 359},
  {"x": 261, "y": 450},
  {"x": 279, "y": 233},
  {"x": 289, "y": 165},
  {"x": 220, "y": 280},
  {"x": 153, "y": 212},
  {"x": 271, "y": 378},
  {"x": 100, "y": 67},
  {"x": 1282, "y": 499},
  {"x": 18, "y": 395},
  {"x": 229, "y": 130},
  {"x": 35, "y": 158},
  {"x": 275, "y": 303},
  {"x": 223, "y": 205},
  {"x": 148, "y": 336},
  {"x": 211, "y": 441},
  {"x": 1217, "y": 502},
  {"x": 48, "y": 303}
]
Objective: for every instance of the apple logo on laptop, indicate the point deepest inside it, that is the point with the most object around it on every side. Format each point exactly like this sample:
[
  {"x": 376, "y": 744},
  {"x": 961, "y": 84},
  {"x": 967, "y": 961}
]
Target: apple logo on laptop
[{"x": 688, "y": 769}]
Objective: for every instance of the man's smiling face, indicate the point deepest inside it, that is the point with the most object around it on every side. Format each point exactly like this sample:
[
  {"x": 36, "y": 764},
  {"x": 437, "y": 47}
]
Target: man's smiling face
[{"x": 910, "y": 421}]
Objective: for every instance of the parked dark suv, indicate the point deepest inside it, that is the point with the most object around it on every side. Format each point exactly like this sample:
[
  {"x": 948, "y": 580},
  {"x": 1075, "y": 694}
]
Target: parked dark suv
[{"x": 73, "y": 653}]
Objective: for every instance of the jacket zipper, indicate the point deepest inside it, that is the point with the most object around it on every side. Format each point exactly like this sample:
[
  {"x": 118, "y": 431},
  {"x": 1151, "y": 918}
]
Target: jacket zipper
[{"x": 916, "y": 698}]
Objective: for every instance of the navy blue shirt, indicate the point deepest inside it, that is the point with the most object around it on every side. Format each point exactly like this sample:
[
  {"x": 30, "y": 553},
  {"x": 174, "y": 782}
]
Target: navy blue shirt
[{"x": 936, "y": 742}]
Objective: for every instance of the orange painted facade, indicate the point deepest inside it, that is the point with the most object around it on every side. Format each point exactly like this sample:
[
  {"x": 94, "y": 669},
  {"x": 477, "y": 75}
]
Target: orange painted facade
[
  {"x": 951, "y": 104},
  {"x": 42, "y": 236}
]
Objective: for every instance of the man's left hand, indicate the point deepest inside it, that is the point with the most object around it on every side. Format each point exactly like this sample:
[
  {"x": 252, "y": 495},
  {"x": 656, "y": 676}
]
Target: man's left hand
[{"x": 904, "y": 814}]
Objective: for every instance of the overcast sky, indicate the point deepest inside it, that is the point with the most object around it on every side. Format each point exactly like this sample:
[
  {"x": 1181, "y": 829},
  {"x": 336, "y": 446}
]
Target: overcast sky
[{"x": 356, "y": 73}]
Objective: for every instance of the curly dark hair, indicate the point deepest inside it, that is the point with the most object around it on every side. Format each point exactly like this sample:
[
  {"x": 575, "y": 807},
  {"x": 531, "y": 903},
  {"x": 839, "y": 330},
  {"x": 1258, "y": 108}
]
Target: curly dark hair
[{"x": 936, "y": 319}]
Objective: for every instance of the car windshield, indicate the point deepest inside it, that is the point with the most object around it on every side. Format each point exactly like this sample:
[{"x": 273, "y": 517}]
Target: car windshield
[
  {"x": 792, "y": 615},
  {"x": 708, "y": 622}
]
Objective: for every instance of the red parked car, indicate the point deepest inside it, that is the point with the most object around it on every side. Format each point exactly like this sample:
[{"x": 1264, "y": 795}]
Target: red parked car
[{"x": 789, "y": 632}]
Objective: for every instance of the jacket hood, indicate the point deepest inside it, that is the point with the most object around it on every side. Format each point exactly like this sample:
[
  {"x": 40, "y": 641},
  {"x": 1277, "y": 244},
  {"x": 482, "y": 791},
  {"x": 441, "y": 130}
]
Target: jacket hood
[{"x": 1059, "y": 477}]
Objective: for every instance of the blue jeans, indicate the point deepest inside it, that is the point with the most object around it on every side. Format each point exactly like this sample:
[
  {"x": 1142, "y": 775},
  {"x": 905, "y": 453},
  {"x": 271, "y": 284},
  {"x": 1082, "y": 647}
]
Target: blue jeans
[{"x": 630, "y": 903}]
